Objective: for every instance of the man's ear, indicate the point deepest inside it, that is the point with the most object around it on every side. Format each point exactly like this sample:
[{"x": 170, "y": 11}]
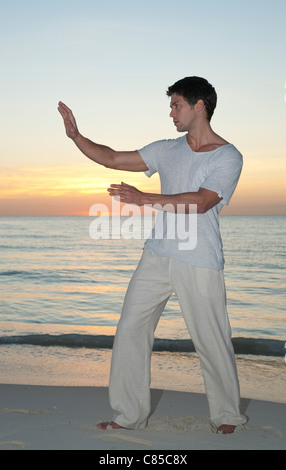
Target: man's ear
[{"x": 199, "y": 106}]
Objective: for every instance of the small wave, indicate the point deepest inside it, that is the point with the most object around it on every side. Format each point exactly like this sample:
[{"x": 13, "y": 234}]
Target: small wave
[
  {"x": 11, "y": 272},
  {"x": 253, "y": 346}
]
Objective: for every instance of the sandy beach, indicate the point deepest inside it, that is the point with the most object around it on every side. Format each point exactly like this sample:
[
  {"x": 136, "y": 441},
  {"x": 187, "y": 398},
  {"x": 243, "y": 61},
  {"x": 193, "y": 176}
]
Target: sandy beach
[
  {"x": 52, "y": 399},
  {"x": 64, "y": 418},
  {"x": 51, "y": 402}
]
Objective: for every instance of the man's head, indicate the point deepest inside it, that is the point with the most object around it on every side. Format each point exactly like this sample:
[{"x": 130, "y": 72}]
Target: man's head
[{"x": 193, "y": 89}]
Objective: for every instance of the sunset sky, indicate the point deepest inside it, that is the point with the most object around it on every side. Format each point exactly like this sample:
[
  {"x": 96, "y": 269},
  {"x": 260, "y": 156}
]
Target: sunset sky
[{"x": 111, "y": 62}]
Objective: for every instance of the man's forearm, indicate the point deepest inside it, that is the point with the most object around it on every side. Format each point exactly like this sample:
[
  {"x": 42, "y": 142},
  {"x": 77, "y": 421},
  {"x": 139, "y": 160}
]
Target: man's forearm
[
  {"x": 178, "y": 203},
  {"x": 98, "y": 153},
  {"x": 200, "y": 201},
  {"x": 127, "y": 161},
  {"x": 190, "y": 202}
]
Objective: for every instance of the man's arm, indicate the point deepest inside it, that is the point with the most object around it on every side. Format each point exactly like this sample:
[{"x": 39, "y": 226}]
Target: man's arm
[
  {"x": 204, "y": 199},
  {"x": 101, "y": 154}
]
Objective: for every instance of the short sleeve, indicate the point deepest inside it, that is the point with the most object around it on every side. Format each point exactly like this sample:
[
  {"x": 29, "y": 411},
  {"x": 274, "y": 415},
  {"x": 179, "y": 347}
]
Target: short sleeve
[
  {"x": 224, "y": 176},
  {"x": 150, "y": 154}
]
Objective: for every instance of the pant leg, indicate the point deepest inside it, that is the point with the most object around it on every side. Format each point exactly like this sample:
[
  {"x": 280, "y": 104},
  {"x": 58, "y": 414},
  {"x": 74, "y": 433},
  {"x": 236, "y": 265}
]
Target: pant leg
[
  {"x": 146, "y": 297},
  {"x": 201, "y": 293}
]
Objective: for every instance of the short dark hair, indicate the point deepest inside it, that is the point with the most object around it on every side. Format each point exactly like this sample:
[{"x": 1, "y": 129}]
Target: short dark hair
[{"x": 194, "y": 89}]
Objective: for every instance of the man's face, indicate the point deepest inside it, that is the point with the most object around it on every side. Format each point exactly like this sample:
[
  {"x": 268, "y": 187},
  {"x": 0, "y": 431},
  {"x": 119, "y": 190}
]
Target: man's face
[{"x": 182, "y": 113}]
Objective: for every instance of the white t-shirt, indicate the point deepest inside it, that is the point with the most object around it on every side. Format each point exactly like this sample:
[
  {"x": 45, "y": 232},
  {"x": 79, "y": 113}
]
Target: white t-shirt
[{"x": 192, "y": 238}]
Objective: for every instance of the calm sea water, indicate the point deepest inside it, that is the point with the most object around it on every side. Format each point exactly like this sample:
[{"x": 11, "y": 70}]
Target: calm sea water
[{"x": 54, "y": 275}]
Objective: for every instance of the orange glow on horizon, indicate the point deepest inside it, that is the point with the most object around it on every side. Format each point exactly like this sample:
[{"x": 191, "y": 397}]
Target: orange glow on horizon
[{"x": 74, "y": 189}]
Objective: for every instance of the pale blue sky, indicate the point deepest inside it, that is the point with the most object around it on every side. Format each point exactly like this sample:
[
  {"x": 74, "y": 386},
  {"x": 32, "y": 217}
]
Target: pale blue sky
[{"x": 112, "y": 62}]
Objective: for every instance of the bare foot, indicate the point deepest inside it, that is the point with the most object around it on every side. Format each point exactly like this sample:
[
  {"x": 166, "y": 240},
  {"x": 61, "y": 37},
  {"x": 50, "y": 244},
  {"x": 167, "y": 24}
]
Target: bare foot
[
  {"x": 226, "y": 429},
  {"x": 112, "y": 424}
]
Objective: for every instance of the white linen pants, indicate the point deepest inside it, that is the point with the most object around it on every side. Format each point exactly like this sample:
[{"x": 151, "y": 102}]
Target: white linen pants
[{"x": 201, "y": 294}]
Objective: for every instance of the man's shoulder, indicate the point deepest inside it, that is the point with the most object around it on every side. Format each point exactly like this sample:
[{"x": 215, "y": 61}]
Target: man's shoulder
[
  {"x": 229, "y": 151},
  {"x": 171, "y": 142},
  {"x": 163, "y": 144}
]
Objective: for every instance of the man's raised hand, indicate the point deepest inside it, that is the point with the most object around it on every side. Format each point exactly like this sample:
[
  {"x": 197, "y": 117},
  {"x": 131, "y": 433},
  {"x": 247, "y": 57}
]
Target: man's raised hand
[{"x": 69, "y": 120}]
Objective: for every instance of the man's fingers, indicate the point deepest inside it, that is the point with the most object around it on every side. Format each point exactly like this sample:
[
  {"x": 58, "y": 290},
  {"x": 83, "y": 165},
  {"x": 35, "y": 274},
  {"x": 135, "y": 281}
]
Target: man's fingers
[
  {"x": 65, "y": 111},
  {"x": 119, "y": 189},
  {"x": 122, "y": 186},
  {"x": 64, "y": 106},
  {"x": 69, "y": 120},
  {"x": 67, "y": 115},
  {"x": 125, "y": 193}
]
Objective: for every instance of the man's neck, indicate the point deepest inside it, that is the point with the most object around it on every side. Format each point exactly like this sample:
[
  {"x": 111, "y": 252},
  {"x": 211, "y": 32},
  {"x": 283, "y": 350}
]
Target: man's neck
[{"x": 204, "y": 139}]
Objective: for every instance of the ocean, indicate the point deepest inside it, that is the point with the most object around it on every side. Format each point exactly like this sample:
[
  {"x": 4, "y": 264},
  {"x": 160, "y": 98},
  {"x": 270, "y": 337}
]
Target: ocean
[{"x": 62, "y": 289}]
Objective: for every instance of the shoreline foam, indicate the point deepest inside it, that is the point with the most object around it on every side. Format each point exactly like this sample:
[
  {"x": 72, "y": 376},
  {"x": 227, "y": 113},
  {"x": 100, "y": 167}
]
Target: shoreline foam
[{"x": 253, "y": 346}]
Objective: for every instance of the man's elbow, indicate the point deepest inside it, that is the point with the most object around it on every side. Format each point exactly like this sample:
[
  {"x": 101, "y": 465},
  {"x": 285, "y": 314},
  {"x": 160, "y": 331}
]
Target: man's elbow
[
  {"x": 202, "y": 208},
  {"x": 118, "y": 161},
  {"x": 206, "y": 200},
  {"x": 205, "y": 205},
  {"x": 112, "y": 161}
]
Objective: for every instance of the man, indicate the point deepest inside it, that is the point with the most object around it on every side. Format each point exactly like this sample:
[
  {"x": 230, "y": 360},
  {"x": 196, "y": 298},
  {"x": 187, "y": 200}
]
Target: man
[{"x": 198, "y": 170}]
